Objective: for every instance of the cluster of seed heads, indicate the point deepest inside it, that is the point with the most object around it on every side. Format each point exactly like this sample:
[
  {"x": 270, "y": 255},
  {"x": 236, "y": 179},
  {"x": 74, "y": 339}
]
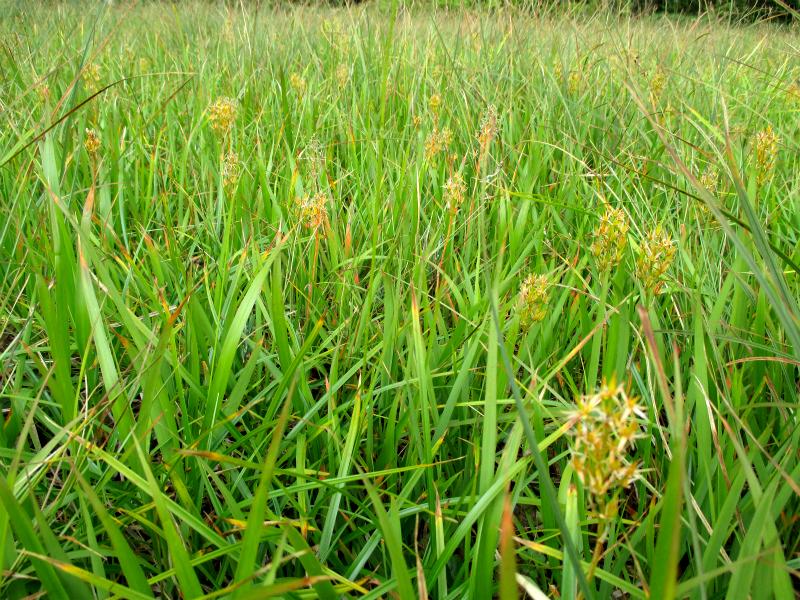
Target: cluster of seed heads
[
  {"x": 313, "y": 211},
  {"x": 437, "y": 141},
  {"x": 710, "y": 181},
  {"x": 603, "y": 436},
  {"x": 91, "y": 77},
  {"x": 454, "y": 191},
  {"x": 488, "y": 129},
  {"x": 534, "y": 298},
  {"x": 766, "y": 148},
  {"x": 342, "y": 75},
  {"x": 657, "y": 84},
  {"x": 91, "y": 142},
  {"x": 610, "y": 238},
  {"x": 435, "y": 105},
  {"x": 298, "y": 84},
  {"x": 222, "y": 114},
  {"x": 656, "y": 254},
  {"x": 231, "y": 169},
  {"x": 574, "y": 82}
]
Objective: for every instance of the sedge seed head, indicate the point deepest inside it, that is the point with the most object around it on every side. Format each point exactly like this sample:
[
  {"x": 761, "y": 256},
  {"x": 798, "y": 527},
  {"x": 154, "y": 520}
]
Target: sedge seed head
[
  {"x": 435, "y": 105},
  {"x": 534, "y": 298},
  {"x": 610, "y": 238},
  {"x": 656, "y": 255},
  {"x": 231, "y": 170},
  {"x": 342, "y": 75},
  {"x": 766, "y": 150},
  {"x": 298, "y": 84},
  {"x": 454, "y": 191},
  {"x": 91, "y": 77},
  {"x": 91, "y": 142},
  {"x": 222, "y": 114},
  {"x": 604, "y": 434},
  {"x": 488, "y": 129},
  {"x": 313, "y": 212}
]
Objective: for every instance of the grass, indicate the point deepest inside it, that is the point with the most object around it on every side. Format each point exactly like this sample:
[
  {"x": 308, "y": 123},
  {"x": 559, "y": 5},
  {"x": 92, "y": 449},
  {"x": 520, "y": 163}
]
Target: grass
[{"x": 268, "y": 326}]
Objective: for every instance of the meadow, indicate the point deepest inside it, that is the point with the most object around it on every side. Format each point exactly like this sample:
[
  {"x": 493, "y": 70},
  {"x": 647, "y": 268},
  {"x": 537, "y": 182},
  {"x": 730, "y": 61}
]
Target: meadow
[{"x": 397, "y": 302}]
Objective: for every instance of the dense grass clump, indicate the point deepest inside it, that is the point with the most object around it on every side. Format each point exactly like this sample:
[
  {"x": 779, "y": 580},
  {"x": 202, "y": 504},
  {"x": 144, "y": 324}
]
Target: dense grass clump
[{"x": 392, "y": 303}]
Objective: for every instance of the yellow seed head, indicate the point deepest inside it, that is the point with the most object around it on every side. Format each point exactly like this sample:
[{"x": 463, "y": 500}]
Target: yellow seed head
[
  {"x": 92, "y": 141},
  {"x": 298, "y": 84},
  {"x": 222, "y": 114},
  {"x": 91, "y": 77},
  {"x": 342, "y": 75},
  {"x": 434, "y": 105},
  {"x": 766, "y": 147},
  {"x": 488, "y": 129},
  {"x": 454, "y": 191},
  {"x": 574, "y": 82},
  {"x": 604, "y": 434},
  {"x": 436, "y": 142},
  {"x": 657, "y": 84},
  {"x": 313, "y": 212},
  {"x": 534, "y": 297},
  {"x": 610, "y": 238},
  {"x": 558, "y": 72},
  {"x": 231, "y": 169},
  {"x": 656, "y": 255}
]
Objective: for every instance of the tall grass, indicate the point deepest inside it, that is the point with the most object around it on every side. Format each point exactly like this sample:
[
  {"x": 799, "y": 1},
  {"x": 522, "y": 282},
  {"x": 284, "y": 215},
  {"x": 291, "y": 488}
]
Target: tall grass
[{"x": 268, "y": 328}]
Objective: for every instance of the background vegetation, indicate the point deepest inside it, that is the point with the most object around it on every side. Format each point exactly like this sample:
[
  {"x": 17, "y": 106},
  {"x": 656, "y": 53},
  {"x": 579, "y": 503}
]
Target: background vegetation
[{"x": 302, "y": 303}]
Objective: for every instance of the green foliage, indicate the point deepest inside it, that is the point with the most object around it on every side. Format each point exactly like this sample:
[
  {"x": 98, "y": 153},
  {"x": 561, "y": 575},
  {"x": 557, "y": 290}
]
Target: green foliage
[{"x": 302, "y": 302}]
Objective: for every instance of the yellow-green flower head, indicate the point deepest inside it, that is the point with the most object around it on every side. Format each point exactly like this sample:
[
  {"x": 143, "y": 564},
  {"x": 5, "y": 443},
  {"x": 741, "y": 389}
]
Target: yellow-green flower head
[
  {"x": 222, "y": 115},
  {"x": 766, "y": 147},
  {"x": 436, "y": 142},
  {"x": 610, "y": 238},
  {"x": 92, "y": 141},
  {"x": 298, "y": 84},
  {"x": 91, "y": 77},
  {"x": 534, "y": 298},
  {"x": 574, "y": 81},
  {"x": 454, "y": 191},
  {"x": 604, "y": 432},
  {"x": 656, "y": 255},
  {"x": 488, "y": 129},
  {"x": 434, "y": 105},
  {"x": 231, "y": 169},
  {"x": 313, "y": 212},
  {"x": 342, "y": 75}
]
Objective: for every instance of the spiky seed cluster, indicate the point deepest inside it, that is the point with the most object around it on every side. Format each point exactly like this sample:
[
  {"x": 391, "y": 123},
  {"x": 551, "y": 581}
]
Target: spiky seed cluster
[
  {"x": 604, "y": 435},
  {"x": 488, "y": 130},
  {"x": 657, "y": 84},
  {"x": 454, "y": 191},
  {"x": 558, "y": 71},
  {"x": 222, "y": 114},
  {"x": 313, "y": 211},
  {"x": 574, "y": 82},
  {"x": 794, "y": 91},
  {"x": 610, "y": 238},
  {"x": 92, "y": 141},
  {"x": 766, "y": 146},
  {"x": 655, "y": 257},
  {"x": 314, "y": 157},
  {"x": 710, "y": 179},
  {"x": 534, "y": 297},
  {"x": 342, "y": 75},
  {"x": 435, "y": 105},
  {"x": 231, "y": 169},
  {"x": 298, "y": 84},
  {"x": 437, "y": 141},
  {"x": 91, "y": 77}
]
